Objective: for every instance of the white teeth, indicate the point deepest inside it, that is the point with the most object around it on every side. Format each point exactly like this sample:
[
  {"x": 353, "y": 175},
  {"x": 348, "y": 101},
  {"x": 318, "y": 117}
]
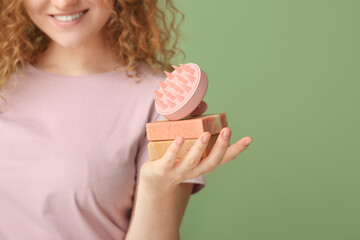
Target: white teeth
[{"x": 68, "y": 18}]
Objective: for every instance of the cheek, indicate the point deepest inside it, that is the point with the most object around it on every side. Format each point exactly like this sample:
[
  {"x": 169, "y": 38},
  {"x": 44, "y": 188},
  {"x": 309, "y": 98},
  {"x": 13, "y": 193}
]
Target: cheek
[
  {"x": 105, "y": 8},
  {"x": 106, "y": 16},
  {"x": 101, "y": 18},
  {"x": 34, "y": 9}
]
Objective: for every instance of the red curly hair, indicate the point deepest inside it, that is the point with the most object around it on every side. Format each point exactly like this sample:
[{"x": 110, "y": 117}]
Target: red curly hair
[{"x": 139, "y": 31}]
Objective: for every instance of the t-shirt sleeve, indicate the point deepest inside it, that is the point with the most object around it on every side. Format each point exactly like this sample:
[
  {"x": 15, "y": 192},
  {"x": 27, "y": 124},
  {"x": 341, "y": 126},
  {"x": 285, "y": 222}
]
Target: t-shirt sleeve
[{"x": 142, "y": 153}]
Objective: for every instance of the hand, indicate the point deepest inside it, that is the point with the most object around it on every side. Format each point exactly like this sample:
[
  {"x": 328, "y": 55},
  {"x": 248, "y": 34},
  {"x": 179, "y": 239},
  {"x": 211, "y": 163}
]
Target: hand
[
  {"x": 167, "y": 172},
  {"x": 199, "y": 109}
]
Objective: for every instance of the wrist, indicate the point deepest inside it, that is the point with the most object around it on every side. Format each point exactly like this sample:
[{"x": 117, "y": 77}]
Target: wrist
[
  {"x": 157, "y": 188},
  {"x": 154, "y": 181}
]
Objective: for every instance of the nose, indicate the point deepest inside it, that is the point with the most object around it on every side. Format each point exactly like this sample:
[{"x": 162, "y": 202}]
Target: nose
[{"x": 64, "y": 5}]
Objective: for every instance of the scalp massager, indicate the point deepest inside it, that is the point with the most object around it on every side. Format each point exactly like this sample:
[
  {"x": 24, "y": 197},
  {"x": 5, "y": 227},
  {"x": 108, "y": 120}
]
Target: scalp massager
[{"x": 181, "y": 93}]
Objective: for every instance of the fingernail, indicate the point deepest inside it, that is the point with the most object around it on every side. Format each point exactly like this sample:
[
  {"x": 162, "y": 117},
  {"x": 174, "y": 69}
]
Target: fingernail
[
  {"x": 247, "y": 143},
  {"x": 179, "y": 140},
  {"x": 226, "y": 134},
  {"x": 205, "y": 139}
]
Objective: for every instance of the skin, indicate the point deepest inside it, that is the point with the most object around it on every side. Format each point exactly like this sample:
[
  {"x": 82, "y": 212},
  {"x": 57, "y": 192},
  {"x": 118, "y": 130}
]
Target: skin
[
  {"x": 79, "y": 50},
  {"x": 160, "y": 197}
]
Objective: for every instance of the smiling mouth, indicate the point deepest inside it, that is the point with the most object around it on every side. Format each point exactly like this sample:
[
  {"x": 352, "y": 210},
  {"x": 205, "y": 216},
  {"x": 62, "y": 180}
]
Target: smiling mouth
[{"x": 69, "y": 18}]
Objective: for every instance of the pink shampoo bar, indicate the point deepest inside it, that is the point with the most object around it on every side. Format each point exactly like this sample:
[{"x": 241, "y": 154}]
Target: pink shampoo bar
[{"x": 188, "y": 128}]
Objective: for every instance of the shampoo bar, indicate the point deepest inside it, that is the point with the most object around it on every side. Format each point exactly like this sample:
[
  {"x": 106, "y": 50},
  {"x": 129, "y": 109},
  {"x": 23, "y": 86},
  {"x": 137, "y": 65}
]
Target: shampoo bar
[
  {"x": 188, "y": 128},
  {"x": 157, "y": 149}
]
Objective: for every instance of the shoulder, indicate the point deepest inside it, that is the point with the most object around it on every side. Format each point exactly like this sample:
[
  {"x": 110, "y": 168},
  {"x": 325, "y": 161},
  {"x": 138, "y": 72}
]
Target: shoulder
[
  {"x": 138, "y": 94},
  {"x": 149, "y": 76},
  {"x": 147, "y": 81}
]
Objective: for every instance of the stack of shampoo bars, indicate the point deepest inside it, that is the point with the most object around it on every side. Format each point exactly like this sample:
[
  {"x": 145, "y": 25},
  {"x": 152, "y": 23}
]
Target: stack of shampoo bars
[{"x": 179, "y": 99}]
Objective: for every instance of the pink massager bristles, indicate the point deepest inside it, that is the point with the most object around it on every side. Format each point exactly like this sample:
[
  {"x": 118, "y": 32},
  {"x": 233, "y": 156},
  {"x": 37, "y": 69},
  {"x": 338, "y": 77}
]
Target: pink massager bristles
[{"x": 181, "y": 93}]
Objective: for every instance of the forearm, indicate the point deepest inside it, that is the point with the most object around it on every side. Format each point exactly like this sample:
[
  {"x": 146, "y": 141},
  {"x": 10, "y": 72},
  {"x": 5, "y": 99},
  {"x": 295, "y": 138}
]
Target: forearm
[{"x": 158, "y": 214}]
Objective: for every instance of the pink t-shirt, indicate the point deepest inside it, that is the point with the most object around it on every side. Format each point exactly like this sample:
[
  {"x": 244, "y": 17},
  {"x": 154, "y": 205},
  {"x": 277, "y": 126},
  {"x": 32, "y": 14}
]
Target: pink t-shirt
[{"x": 71, "y": 148}]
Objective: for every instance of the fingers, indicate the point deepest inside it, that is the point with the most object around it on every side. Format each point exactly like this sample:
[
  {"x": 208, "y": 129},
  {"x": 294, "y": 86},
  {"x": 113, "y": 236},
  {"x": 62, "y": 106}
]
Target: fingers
[
  {"x": 215, "y": 157},
  {"x": 194, "y": 155},
  {"x": 170, "y": 156},
  {"x": 192, "y": 165},
  {"x": 236, "y": 149}
]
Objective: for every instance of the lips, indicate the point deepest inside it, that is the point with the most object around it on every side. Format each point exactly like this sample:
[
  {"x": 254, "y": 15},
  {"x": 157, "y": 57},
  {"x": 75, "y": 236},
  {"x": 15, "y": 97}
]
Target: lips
[
  {"x": 69, "y": 13},
  {"x": 69, "y": 19}
]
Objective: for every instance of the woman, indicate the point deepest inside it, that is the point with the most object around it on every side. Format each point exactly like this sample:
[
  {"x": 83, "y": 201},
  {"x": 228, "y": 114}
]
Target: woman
[{"x": 73, "y": 155}]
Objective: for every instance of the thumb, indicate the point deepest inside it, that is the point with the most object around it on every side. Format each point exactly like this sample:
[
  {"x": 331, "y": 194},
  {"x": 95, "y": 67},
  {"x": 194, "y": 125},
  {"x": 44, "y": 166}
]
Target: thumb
[{"x": 199, "y": 110}]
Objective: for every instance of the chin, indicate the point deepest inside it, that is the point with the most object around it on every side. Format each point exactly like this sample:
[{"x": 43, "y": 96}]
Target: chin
[
  {"x": 68, "y": 40},
  {"x": 69, "y": 43}
]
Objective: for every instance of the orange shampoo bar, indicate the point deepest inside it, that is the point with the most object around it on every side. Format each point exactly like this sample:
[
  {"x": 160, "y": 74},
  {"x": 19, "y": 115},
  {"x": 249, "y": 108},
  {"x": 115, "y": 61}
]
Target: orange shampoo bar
[
  {"x": 157, "y": 149},
  {"x": 187, "y": 128}
]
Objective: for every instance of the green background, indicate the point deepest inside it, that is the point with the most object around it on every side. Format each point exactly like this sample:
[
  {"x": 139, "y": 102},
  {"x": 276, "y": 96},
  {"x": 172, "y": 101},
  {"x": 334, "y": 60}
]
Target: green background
[{"x": 287, "y": 74}]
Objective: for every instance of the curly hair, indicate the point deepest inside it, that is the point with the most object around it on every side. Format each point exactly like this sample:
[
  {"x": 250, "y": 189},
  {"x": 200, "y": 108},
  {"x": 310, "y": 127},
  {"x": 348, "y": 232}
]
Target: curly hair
[{"x": 139, "y": 31}]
